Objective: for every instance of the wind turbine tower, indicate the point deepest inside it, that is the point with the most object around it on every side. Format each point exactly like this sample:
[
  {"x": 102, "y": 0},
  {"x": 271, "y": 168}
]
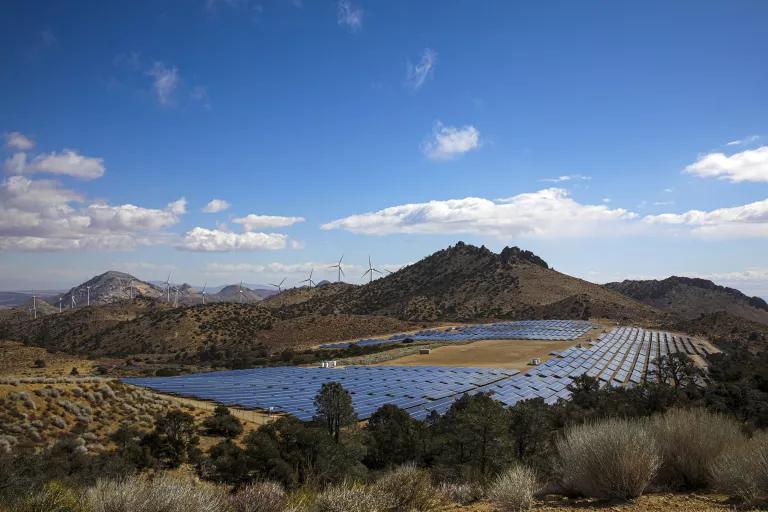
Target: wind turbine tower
[
  {"x": 34, "y": 306},
  {"x": 60, "y": 299},
  {"x": 309, "y": 279},
  {"x": 168, "y": 287},
  {"x": 88, "y": 291},
  {"x": 370, "y": 271},
  {"x": 203, "y": 292},
  {"x": 340, "y": 271},
  {"x": 72, "y": 302}
]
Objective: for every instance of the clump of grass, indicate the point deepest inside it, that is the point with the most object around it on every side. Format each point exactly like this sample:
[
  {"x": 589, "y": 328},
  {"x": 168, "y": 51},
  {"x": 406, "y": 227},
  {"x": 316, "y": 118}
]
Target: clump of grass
[
  {"x": 614, "y": 458},
  {"x": 461, "y": 493},
  {"x": 53, "y": 497},
  {"x": 347, "y": 497},
  {"x": 514, "y": 489}
]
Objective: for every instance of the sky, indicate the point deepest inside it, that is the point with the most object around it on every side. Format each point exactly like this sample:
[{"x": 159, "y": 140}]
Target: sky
[{"x": 223, "y": 140}]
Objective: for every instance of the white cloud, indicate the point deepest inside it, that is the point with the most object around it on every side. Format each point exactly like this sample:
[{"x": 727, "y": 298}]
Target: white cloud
[
  {"x": 449, "y": 142},
  {"x": 166, "y": 81},
  {"x": 418, "y": 74},
  {"x": 18, "y": 141},
  {"x": 42, "y": 215},
  {"x": 568, "y": 177},
  {"x": 66, "y": 163},
  {"x": 746, "y": 221},
  {"x": 216, "y": 206},
  {"x": 748, "y": 165},
  {"x": 178, "y": 207},
  {"x": 214, "y": 240},
  {"x": 744, "y": 141},
  {"x": 547, "y": 213},
  {"x": 297, "y": 244},
  {"x": 349, "y": 15},
  {"x": 253, "y": 222}
]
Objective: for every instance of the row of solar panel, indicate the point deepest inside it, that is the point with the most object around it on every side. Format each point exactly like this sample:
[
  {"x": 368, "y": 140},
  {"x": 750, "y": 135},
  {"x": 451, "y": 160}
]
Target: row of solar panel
[
  {"x": 625, "y": 356},
  {"x": 527, "y": 329}
]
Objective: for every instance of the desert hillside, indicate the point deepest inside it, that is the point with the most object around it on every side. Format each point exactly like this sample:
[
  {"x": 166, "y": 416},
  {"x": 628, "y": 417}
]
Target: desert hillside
[{"x": 689, "y": 297}]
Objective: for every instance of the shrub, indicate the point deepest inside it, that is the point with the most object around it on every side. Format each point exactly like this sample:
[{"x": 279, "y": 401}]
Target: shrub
[
  {"x": 259, "y": 497},
  {"x": 407, "y": 488},
  {"x": 223, "y": 423},
  {"x": 689, "y": 441},
  {"x": 514, "y": 489},
  {"x": 347, "y": 497},
  {"x": 613, "y": 458},
  {"x": 53, "y": 497},
  {"x": 743, "y": 471},
  {"x": 164, "y": 493},
  {"x": 39, "y": 363},
  {"x": 461, "y": 493}
]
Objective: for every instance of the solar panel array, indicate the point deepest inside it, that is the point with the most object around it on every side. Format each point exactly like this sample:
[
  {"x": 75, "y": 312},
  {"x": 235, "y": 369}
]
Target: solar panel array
[
  {"x": 624, "y": 356},
  {"x": 292, "y": 389},
  {"x": 520, "y": 330}
]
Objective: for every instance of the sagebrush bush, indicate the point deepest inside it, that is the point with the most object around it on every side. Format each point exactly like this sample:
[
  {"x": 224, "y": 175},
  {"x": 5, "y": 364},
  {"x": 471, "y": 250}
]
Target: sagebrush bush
[
  {"x": 461, "y": 493},
  {"x": 259, "y": 497},
  {"x": 742, "y": 471},
  {"x": 613, "y": 458},
  {"x": 689, "y": 441},
  {"x": 164, "y": 493},
  {"x": 514, "y": 489},
  {"x": 347, "y": 497},
  {"x": 407, "y": 488}
]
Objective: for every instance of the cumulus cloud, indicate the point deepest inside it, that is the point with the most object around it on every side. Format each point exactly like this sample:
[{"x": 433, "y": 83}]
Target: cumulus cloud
[
  {"x": 547, "y": 213},
  {"x": 748, "y": 165},
  {"x": 745, "y": 221},
  {"x": 165, "y": 82},
  {"x": 65, "y": 163},
  {"x": 348, "y": 15},
  {"x": 216, "y": 206},
  {"x": 449, "y": 142},
  {"x": 418, "y": 74},
  {"x": 18, "y": 141},
  {"x": 43, "y": 215},
  {"x": 216, "y": 240},
  {"x": 178, "y": 207},
  {"x": 253, "y": 222}
]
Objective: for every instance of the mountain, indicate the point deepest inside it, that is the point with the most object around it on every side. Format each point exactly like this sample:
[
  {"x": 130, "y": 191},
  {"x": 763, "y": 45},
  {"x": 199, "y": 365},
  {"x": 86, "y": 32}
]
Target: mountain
[
  {"x": 111, "y": 286},
  {"x": 232, "y": 293},
  {"x": 688, "y": 298},
  {"x": 464, "y": 282}
]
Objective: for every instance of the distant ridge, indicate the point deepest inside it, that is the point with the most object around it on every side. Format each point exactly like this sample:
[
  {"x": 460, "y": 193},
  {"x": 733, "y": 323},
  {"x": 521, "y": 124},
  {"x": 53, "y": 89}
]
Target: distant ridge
[
  {"x": 465, "y": 282},
  {"x": 688, "y": 298}
]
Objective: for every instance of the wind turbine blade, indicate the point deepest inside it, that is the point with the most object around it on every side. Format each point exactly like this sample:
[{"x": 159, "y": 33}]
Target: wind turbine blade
[
  {"x": 281, "y": 282},
  {"x": 342, "y": 257}
]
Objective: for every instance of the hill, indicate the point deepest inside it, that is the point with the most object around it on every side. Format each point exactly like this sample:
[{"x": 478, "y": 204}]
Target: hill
[
  {"x": 111, "y": 286},
  {"x": 688, "y": 298},
  {"x": 729, "y": 332},
  {"x": 464, "y": 282},
  {"x": 236, "y": 293}
]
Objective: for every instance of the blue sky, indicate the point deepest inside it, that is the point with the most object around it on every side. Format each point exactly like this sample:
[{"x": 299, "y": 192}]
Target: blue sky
[{"x": 615, "y": 139}]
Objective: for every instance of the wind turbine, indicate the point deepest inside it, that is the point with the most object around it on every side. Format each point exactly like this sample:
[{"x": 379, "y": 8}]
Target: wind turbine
[
  {"x": 203, "y": 292},
  {"x": 88, "y": 289},
  {"x": 309, "y": 279},
  {"x": 370, "y": 271},
  {"x": 60, "y": 299},
  {"x": 176, "y": 297},
  {"x": 34, "y": 306},
  {"x": 279, "y": 286},
  {"x": 72, "y": 302},
  {"x": 241, "y": 293},
  {"x": 339, "y": 269},
  {"x": 168, "y": 287}
]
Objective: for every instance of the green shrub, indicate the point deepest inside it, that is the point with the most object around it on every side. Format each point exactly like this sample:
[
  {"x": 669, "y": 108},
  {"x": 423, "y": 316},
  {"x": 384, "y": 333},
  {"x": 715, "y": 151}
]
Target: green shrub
[
  {"x": 613, "y": 458},
  {"x": 689, "y": 441},
  {"x": 53, "y": 497},
  {"x": 514, "y": 489}
]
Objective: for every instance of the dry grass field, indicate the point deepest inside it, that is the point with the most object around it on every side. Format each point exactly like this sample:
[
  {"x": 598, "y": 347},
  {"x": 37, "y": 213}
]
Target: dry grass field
[
  {"x": 513, "y": 354},
  {"x": 647, "y": 503}
]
